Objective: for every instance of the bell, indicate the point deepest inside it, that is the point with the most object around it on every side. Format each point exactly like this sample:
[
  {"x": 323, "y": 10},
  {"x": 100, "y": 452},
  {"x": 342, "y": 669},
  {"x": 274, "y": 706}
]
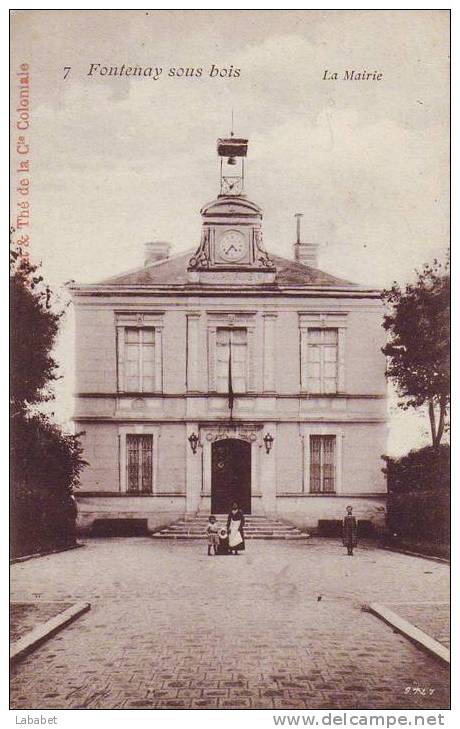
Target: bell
[{"x": 231, "y": 161}]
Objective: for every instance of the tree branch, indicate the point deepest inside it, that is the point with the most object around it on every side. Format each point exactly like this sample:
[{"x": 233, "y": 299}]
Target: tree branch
[
  {"x": 432, "y": 421},
  {"x": 442, "y": 417}
]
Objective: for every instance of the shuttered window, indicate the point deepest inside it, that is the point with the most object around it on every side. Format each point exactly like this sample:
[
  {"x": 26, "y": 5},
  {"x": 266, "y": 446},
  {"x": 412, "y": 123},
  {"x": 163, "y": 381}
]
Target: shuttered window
[
  {"x": 239, "y": 348},
  {"x": 139, "y": 463},
  {"x": 139, "y": 359},
  {"x": 322, "y": 361},
  {"x": 322, "y": 464}
]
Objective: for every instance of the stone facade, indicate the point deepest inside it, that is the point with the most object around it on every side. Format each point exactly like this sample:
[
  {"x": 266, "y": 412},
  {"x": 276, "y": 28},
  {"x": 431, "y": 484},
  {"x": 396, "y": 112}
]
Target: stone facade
[{"x": 152, "y": 351}]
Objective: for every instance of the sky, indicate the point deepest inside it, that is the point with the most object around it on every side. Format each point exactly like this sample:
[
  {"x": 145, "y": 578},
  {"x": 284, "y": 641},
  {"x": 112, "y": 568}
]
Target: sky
[{"x": 119, "y": 161}]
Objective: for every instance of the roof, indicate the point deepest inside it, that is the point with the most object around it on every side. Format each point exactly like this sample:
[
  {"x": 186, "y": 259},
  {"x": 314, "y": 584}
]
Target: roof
[{"x": 173, "y": 272}]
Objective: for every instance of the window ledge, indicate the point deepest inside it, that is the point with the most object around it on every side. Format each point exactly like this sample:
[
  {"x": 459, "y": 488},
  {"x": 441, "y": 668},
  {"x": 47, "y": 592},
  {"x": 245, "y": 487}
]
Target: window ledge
[
  {"x": 303, "y": 494},
  {"x": 341, "y": 494},
  {"x": 253, "y": 496},
  {"x": 126, "y": 494}
]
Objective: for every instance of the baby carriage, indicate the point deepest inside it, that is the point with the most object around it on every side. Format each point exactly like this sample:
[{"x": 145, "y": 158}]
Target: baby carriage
[{"x": 222, "y": 547}]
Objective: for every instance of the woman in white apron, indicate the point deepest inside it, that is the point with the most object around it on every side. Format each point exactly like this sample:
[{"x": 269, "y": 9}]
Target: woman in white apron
[{"x": 235, "y": 528}]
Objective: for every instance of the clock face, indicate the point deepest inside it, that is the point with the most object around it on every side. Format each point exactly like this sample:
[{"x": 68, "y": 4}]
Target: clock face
[
  {"x": 232, "y": 246},
  {"x": 231, "y": 185}
]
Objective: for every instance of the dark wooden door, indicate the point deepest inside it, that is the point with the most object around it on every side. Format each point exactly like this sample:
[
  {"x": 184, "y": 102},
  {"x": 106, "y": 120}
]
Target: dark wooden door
[{"x": 231, "y": 475}]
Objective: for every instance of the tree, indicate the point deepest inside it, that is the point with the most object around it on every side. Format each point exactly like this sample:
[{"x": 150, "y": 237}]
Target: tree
[
  {"x": 46, "y": 464},
  {"x": 45, "y": 461},
  {"x": 418, "y": 324},
  {"x": 34, "y": 326}
]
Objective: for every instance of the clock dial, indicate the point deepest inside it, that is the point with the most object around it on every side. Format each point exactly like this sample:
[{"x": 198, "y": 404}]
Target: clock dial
[
  {"x": 232, "y": 246},
  {"x": 231, "y": 185}
]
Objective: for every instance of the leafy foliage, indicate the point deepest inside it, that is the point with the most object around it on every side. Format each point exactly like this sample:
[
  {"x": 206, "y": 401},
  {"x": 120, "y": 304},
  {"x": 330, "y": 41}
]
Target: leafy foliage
[
  {"x": 418, "y": 506},
  {"x": 34, "y": 326},
  {"x": 39, "y": 447},
  {"x": 46, "y": 462},
  {"x": 418, "y": 324},
  {"x": 419, "y": 517},
  {"x": 426, "y": 469}
]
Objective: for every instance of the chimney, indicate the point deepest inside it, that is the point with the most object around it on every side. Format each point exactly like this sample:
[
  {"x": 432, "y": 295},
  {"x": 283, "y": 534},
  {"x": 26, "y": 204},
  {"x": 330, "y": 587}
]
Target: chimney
[
  {"x": 157, "y": 250},
  {"x": 306, "y": 253}
]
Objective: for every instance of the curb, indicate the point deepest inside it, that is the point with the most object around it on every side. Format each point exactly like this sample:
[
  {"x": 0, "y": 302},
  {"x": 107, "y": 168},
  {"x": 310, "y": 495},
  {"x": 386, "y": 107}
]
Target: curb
[
  {"x": 42, "y": 632},
  {"x": 417, "y": 636},
  {"x": 442, "y": 560},
  {"x": 26, "y": 557}
]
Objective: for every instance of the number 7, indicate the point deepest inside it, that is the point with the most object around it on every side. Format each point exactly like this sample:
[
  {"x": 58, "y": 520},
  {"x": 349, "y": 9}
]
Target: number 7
[{"x": 67, "y": 71}]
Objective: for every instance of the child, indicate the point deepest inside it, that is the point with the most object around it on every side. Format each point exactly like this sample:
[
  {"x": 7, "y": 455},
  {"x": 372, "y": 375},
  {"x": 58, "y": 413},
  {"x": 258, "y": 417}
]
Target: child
[
  {"x": 212, "y": 530},
  {"x": 350, "y": 531},
  {"x": 223, "y": 541}
]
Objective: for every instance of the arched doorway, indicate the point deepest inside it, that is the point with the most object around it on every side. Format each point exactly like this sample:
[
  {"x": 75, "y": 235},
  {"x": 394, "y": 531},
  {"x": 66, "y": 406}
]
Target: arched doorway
[{"x": 230, "y": 475}]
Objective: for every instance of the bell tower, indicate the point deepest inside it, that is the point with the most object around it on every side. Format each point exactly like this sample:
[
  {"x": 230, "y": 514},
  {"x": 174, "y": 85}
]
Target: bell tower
[
  {"x": 232, "y": 153},
  {"x": 231, "y": 250}
]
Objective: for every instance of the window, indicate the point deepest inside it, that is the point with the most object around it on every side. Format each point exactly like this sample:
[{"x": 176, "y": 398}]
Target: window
[
  {"x": 322, "y": 464},
  {"x": 139, "y": 351},
  {"x": 139, "y": 359},
  {"x": 322, "y": 360},
  {"x": 139, "y": 463},
  {"x": 322, "y": 351},
  {"x": 238, "y": 340}
]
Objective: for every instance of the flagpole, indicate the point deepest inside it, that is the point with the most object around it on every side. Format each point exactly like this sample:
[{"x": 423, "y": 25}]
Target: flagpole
[{"x": 230, "y": 383}]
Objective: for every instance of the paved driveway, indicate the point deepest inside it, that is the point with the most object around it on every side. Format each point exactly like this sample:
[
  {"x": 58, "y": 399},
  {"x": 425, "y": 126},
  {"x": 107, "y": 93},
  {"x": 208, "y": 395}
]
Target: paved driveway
[{"x": 172, "y": 628}]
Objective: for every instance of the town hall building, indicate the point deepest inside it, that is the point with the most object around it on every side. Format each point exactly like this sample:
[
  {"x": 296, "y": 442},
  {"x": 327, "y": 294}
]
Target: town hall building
[{"x": 230, "y": 373}]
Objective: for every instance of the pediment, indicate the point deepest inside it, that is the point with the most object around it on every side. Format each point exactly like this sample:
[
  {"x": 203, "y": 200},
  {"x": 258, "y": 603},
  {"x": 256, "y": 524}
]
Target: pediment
[{"x": 227, "y": 205}]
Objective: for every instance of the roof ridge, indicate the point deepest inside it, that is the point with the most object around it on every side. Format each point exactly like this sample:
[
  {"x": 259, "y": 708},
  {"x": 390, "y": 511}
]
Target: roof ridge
[
  {"x": 290, "y": 273},
  {"x": 154, "y": 264}
]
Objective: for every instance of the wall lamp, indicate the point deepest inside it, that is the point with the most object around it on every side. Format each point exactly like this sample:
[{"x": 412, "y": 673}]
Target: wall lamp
[
  {"x": 268, "y": 440},
  {"x": 193, "y": 440}
]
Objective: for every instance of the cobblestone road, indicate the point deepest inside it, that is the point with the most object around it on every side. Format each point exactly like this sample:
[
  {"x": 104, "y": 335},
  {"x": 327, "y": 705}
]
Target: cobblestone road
[
  {"x": 433, "y": 618},
  {"x": 172, "y": 628}
]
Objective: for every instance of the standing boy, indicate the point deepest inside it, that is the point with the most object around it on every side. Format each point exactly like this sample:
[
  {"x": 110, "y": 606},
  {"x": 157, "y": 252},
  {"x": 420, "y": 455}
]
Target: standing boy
[
  {"x": 212, "y": 531},
  {"x": 350, "y": 531}
]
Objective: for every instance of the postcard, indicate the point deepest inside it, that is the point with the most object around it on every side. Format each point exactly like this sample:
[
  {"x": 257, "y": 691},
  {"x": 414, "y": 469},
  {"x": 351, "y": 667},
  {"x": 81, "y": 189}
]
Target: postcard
[{"x": 230, "y": 337}]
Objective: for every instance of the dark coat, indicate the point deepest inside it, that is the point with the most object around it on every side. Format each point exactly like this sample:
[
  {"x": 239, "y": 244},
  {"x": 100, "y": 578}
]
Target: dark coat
[{"x": 350, "y": 531}]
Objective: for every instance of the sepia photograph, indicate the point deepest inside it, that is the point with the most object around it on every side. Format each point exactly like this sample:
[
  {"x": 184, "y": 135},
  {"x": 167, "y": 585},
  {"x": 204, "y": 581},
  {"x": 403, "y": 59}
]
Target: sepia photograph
[{"x": 230, "y": 336}]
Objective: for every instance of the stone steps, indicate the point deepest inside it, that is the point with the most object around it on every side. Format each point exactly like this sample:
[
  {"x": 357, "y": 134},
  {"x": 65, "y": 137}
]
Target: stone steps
[{"x": 256, "y": 527}]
